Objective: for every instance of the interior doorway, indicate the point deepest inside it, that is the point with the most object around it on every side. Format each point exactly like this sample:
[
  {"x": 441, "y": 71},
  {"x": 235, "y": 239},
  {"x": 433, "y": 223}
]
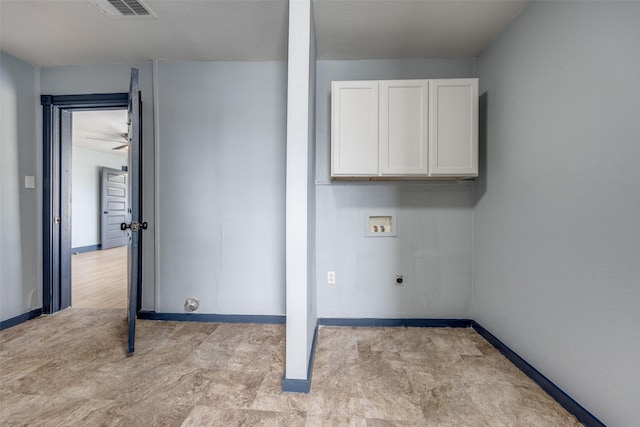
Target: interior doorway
[
  {"x": 57, "y": 254},
  {"x": 57, "y": 113},
  {"x": 99, "y": 203}
]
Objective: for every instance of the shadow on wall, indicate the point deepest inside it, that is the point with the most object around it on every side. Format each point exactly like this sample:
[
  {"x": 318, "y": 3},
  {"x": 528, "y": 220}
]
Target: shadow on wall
[
  {"x": 481, "y": 181},
  {"x": 398, "y": 195}
]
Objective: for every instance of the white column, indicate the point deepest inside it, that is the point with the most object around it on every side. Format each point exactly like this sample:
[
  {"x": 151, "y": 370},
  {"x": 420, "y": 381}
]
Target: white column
[{"x": 298, "y": 146}]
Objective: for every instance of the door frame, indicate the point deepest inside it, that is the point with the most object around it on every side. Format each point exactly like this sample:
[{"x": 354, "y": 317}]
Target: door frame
[{"x": 56, "y": 200}]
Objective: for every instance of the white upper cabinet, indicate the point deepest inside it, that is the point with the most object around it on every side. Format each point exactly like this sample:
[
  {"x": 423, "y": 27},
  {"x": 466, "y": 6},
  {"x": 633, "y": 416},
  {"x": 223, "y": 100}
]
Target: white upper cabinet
[
  {"x": 404, "y": 119},
  {"x": 404, "y": 129},
  {"x": 453, "y": 127},
  {"x": 354, "y": 128}
]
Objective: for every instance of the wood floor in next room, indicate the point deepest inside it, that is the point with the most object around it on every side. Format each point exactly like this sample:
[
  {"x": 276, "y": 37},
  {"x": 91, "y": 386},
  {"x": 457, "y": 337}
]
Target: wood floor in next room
[
  {"x": 70, "y": 369},
  {"x": 99, "y": 279}
]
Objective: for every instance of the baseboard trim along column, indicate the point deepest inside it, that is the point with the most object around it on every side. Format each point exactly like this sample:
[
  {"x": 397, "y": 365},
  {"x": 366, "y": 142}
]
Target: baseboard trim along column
[{"x": 293, "y": 385}]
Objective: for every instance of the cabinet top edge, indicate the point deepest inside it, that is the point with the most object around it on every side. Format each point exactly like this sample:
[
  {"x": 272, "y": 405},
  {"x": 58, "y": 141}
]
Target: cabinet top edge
[{"x": 406, "y": 80}]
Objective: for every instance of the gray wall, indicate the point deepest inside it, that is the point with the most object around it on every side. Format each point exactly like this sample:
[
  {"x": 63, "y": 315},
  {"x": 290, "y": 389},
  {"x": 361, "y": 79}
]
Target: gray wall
[
  {"x": 85, "y": 192},
  {"x": 86, "y": 79},
  {"x": 20, "y": 248},
  {"x": 433, "y": 246},
  {"x": 222, "y": 138},
  {"x": 221, "y": 159},
  {"x": 557, "y": 229}
]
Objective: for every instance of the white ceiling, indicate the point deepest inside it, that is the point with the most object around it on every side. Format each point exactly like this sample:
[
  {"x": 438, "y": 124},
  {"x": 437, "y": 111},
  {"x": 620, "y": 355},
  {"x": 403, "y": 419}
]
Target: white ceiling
[
  {"x": 100, "y": 130},
  {"x": 409, "y": 29},
  {"x": 70, "y": 32}
]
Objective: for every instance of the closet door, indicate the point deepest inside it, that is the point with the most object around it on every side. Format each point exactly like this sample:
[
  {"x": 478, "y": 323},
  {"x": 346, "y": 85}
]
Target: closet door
[
  {"x": 404, "y": 119},
  {"x": 453, "y": 142},
  {"x": 354, "y": 128}
]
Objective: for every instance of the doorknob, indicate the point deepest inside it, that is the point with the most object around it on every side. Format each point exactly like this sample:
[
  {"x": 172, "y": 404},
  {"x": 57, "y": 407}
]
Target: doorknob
[{"x": 134, "y": 226}]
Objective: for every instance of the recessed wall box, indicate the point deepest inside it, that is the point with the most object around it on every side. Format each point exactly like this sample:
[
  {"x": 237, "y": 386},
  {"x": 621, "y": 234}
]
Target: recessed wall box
[{"x": 380, "y": 224}]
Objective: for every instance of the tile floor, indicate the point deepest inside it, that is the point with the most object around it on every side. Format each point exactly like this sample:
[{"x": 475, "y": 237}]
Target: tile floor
[{"x": 70, "y": 369}]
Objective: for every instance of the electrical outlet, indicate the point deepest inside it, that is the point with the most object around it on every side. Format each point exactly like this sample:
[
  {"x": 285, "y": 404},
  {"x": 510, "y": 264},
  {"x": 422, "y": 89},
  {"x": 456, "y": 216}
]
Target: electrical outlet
[{"x": 331, "y": 277}]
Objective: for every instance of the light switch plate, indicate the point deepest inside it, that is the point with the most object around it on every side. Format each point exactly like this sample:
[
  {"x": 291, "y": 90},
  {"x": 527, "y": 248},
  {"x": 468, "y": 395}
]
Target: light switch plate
[
  {"x": 331, "y": 277},
  {"x": 29, "y": 181}
]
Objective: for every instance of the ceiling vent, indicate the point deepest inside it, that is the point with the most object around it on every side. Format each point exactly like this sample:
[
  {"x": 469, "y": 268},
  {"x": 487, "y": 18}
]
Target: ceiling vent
[{"x": 123, "y": 9}]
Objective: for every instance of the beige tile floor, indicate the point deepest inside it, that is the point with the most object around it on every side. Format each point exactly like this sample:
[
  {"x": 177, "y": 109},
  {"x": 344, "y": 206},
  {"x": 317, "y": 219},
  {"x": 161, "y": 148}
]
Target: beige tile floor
[{"x": 70, "y": 369}]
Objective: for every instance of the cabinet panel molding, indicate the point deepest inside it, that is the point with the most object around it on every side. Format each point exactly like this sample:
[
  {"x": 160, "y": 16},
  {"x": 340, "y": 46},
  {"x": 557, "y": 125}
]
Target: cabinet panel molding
[
  {"x": 453, "y": 125},
  {"x": 404, "y": 119},
  {"x": 354, "y": 133}
]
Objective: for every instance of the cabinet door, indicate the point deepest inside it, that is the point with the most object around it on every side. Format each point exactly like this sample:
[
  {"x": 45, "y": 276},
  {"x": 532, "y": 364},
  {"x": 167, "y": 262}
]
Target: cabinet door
[
  {"x": 354, "y": 128},
  {"x": 404, "y": 118},
  {"x": 453, "y": 141}
]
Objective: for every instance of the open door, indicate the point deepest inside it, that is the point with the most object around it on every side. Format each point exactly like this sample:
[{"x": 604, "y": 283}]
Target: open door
[{"x": 135, "y": 227}]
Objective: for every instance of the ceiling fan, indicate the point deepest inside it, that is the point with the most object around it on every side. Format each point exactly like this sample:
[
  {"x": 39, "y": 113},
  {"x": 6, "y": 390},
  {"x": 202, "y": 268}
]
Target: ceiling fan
[{"x": 125, "y": 140}]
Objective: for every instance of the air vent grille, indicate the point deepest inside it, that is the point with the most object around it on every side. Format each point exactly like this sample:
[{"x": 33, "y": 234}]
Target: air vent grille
[
  {"x": 129, "y": 7},
  {"x": 123, "y": 9}
]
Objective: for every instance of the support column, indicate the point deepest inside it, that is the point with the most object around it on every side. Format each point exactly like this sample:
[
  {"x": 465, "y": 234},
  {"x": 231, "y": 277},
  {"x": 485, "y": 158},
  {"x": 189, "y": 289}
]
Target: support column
[{"x": 300, "y": 199}]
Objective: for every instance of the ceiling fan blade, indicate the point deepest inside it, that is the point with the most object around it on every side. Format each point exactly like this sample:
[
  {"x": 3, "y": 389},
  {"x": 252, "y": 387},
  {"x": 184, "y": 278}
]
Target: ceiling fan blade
[{"x": 104, "y": 139}]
